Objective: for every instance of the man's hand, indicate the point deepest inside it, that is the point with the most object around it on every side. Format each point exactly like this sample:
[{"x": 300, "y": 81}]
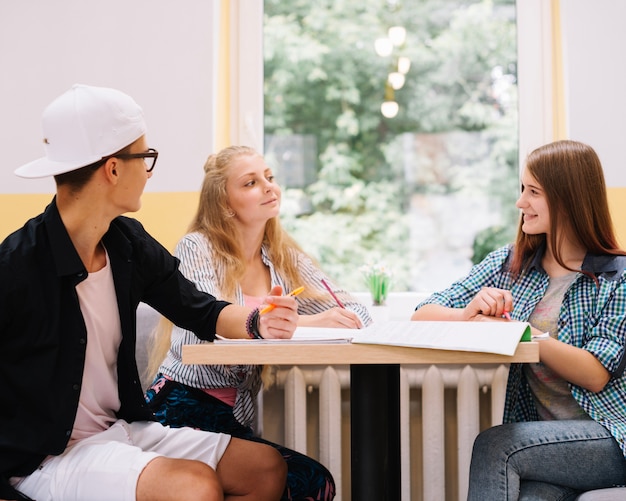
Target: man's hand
[{"x": 281, "y": 322}]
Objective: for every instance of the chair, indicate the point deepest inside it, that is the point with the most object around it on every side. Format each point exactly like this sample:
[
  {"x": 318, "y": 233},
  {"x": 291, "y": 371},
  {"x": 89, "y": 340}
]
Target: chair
[
  {"x": 147, "y": 320},
  {"x": 609, "y": 494}
]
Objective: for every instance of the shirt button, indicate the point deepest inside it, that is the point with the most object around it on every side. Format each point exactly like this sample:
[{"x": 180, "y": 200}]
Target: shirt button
[
  {"x": 68, "y": 433},
  {"x": 76, "y": 387},
  {"x": 82, "y": 340}
]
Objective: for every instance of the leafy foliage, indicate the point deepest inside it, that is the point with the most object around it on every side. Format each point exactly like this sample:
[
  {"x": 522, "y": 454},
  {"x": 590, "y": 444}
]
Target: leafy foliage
[
  {"x": 323, "y": 78},
  {"x": 489, "y": 239}
]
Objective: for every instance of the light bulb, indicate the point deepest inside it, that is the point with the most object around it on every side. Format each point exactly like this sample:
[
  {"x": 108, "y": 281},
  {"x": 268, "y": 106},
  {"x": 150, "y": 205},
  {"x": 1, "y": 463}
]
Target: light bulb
[
  {"x": 389, "y": 109},
  {"x": 396, "y": 80},
  {"x": 404, "y": 64},
  {"x": 383, "y": 47},
  {"x": 397, "y": 35}
]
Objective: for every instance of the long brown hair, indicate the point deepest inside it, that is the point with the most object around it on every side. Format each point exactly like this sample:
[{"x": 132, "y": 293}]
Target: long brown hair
[{"x": 572, "y": 178}]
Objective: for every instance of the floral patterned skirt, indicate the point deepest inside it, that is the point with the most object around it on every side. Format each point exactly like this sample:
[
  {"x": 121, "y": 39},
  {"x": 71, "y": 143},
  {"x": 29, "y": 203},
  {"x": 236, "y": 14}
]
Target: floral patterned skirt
[{"x": 177, "y": 405}]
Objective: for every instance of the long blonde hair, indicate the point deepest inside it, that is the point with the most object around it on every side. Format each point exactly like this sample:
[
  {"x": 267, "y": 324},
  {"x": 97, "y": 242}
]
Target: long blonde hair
[{"x": 214, "y": 221}]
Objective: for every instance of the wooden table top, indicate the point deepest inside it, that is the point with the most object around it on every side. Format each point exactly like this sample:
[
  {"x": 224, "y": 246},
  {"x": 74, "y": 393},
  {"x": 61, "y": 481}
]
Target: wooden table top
[{"x": 286, "y": 353}]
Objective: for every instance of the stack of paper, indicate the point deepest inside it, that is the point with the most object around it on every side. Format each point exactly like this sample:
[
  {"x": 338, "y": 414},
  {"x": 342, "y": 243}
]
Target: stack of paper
[{"x": 488, "y": 337}]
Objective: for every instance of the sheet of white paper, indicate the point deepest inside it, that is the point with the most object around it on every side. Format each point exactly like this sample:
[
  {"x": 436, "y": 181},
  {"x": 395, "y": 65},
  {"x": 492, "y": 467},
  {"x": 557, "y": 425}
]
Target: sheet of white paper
[
  {"x": 323, "y": 333},
  {"x": 304, "y": 335},
  {"x": 487, "y": 337}
]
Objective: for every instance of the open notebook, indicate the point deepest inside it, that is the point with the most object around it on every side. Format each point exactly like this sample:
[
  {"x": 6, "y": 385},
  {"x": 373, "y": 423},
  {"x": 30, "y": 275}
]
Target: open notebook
[{"x": 488, "y": 337}]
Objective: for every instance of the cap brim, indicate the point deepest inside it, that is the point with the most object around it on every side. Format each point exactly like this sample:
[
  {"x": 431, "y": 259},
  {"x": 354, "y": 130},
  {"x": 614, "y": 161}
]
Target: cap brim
[{"x": 43, "y": 167}]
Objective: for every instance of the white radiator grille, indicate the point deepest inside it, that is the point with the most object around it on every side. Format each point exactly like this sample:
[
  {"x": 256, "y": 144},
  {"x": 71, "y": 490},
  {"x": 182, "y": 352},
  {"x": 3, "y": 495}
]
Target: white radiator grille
[{"x": 428, "y": 405}]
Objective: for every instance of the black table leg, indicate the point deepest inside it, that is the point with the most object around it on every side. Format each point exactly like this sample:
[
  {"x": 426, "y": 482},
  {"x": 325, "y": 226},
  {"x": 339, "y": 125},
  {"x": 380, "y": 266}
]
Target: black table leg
[{"x": 375, "y": 432}]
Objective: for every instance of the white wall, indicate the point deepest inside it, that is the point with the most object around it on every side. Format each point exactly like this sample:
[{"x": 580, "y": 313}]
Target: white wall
[
  {"x": 595, "y": 78},
  {"x": 160, "y": 52}
]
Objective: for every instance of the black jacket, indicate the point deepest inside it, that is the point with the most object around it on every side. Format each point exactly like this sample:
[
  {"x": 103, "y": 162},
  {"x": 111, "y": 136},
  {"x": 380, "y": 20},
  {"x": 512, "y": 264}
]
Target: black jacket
[{"x": 43, "y": 335}]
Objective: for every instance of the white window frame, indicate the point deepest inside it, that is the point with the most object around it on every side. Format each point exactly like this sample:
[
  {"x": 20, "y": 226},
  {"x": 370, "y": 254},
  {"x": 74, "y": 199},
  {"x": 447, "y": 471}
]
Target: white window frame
[
  {"x": 247, "y": 73},
  {"x": 534, "y": 30}
]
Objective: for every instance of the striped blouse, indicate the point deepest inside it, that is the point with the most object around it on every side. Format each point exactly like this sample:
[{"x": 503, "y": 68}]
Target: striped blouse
[{"x": 198, "y": 265}]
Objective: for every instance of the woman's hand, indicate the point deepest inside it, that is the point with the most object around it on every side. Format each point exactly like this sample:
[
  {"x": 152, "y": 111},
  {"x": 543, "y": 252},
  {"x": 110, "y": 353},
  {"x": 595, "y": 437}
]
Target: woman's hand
[
  {"x": 489, "y": 302},
  {"x": 335, "y": 317}
]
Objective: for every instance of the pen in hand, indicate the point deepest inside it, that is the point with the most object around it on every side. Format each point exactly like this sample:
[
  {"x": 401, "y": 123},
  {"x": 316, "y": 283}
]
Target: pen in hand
[
  {"x": 506, "y": 315},
  {"x": 339, "y": 303},
  {"x": 271, "y": 306}
]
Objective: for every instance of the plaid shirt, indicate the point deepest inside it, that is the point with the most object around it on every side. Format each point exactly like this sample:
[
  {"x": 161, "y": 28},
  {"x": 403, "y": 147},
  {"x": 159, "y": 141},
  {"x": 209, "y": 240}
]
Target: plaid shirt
[{"x": 592, "y": 317}]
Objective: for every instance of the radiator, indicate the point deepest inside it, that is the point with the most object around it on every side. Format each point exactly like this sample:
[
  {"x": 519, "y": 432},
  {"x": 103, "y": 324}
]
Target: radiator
[{"x": 442, "y": 409}]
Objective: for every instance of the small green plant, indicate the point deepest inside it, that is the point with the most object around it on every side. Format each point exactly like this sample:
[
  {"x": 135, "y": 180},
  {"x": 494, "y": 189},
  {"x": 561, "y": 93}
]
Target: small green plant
[{"x": 377, "y": 278}]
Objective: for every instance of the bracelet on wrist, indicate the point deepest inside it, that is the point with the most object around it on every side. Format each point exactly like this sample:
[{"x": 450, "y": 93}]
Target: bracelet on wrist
[{"x": 252, "y": 325}]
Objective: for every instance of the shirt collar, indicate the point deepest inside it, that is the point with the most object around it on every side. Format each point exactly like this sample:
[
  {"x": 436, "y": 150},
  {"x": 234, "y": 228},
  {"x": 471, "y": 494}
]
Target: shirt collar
[
  {"x": 65, "y": 257},
  {"x": 607, "y": 265}
]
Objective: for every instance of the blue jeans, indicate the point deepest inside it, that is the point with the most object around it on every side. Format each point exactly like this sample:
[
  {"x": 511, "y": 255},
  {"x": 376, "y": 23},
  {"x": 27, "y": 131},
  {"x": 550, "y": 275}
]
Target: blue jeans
[{"x": 544, "y": 460}]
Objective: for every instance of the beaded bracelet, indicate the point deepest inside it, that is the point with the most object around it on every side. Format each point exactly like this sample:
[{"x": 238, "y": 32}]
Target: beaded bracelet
[{"x": 252, "y": 324}]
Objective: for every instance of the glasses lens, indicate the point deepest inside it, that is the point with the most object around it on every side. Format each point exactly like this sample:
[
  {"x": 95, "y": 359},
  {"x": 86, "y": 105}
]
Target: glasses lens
[{"x": 150, "y": 161}]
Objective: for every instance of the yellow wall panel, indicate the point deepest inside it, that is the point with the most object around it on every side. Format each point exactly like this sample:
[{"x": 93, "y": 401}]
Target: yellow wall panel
[
  {"x": 165, "y": 216},
  {"x": 617, "y": 204}
]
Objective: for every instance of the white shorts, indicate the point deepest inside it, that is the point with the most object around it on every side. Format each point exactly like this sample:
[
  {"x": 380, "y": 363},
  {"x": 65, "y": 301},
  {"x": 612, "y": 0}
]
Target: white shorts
[{"x": 106, "y": 466}]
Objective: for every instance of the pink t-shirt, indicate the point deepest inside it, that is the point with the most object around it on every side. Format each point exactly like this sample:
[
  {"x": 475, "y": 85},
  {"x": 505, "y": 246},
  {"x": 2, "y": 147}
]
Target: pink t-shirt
[
  {"x": 252, "y": 301},
  {"x": 99, "y": 397}
]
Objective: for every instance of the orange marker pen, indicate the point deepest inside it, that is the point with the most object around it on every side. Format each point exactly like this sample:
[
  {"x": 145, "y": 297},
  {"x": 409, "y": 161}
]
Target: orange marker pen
[{"x": 270, "y": 306}]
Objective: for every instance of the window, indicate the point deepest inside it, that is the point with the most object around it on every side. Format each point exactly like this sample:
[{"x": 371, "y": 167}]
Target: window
[{"x": 415, "y": 190}]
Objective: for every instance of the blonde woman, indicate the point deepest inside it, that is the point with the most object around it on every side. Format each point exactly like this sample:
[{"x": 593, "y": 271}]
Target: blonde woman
[{"x": 237, "y": 249}]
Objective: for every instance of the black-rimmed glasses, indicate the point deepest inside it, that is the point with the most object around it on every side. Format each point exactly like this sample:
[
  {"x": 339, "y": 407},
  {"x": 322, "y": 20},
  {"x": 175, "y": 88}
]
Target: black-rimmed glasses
[{"x": 149, "y": 157}]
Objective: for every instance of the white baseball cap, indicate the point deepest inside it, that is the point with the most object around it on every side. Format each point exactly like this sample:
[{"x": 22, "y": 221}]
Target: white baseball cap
[{"x": 82, "y": 126}]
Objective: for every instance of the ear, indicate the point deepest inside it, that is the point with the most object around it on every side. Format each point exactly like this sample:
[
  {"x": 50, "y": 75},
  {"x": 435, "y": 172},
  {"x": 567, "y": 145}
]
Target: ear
[{"x": 109, "y": 169}]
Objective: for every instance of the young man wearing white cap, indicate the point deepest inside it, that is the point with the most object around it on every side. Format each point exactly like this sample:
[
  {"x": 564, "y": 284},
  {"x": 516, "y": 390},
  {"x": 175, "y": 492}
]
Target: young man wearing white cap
[{"x": 74, "y": 424}]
